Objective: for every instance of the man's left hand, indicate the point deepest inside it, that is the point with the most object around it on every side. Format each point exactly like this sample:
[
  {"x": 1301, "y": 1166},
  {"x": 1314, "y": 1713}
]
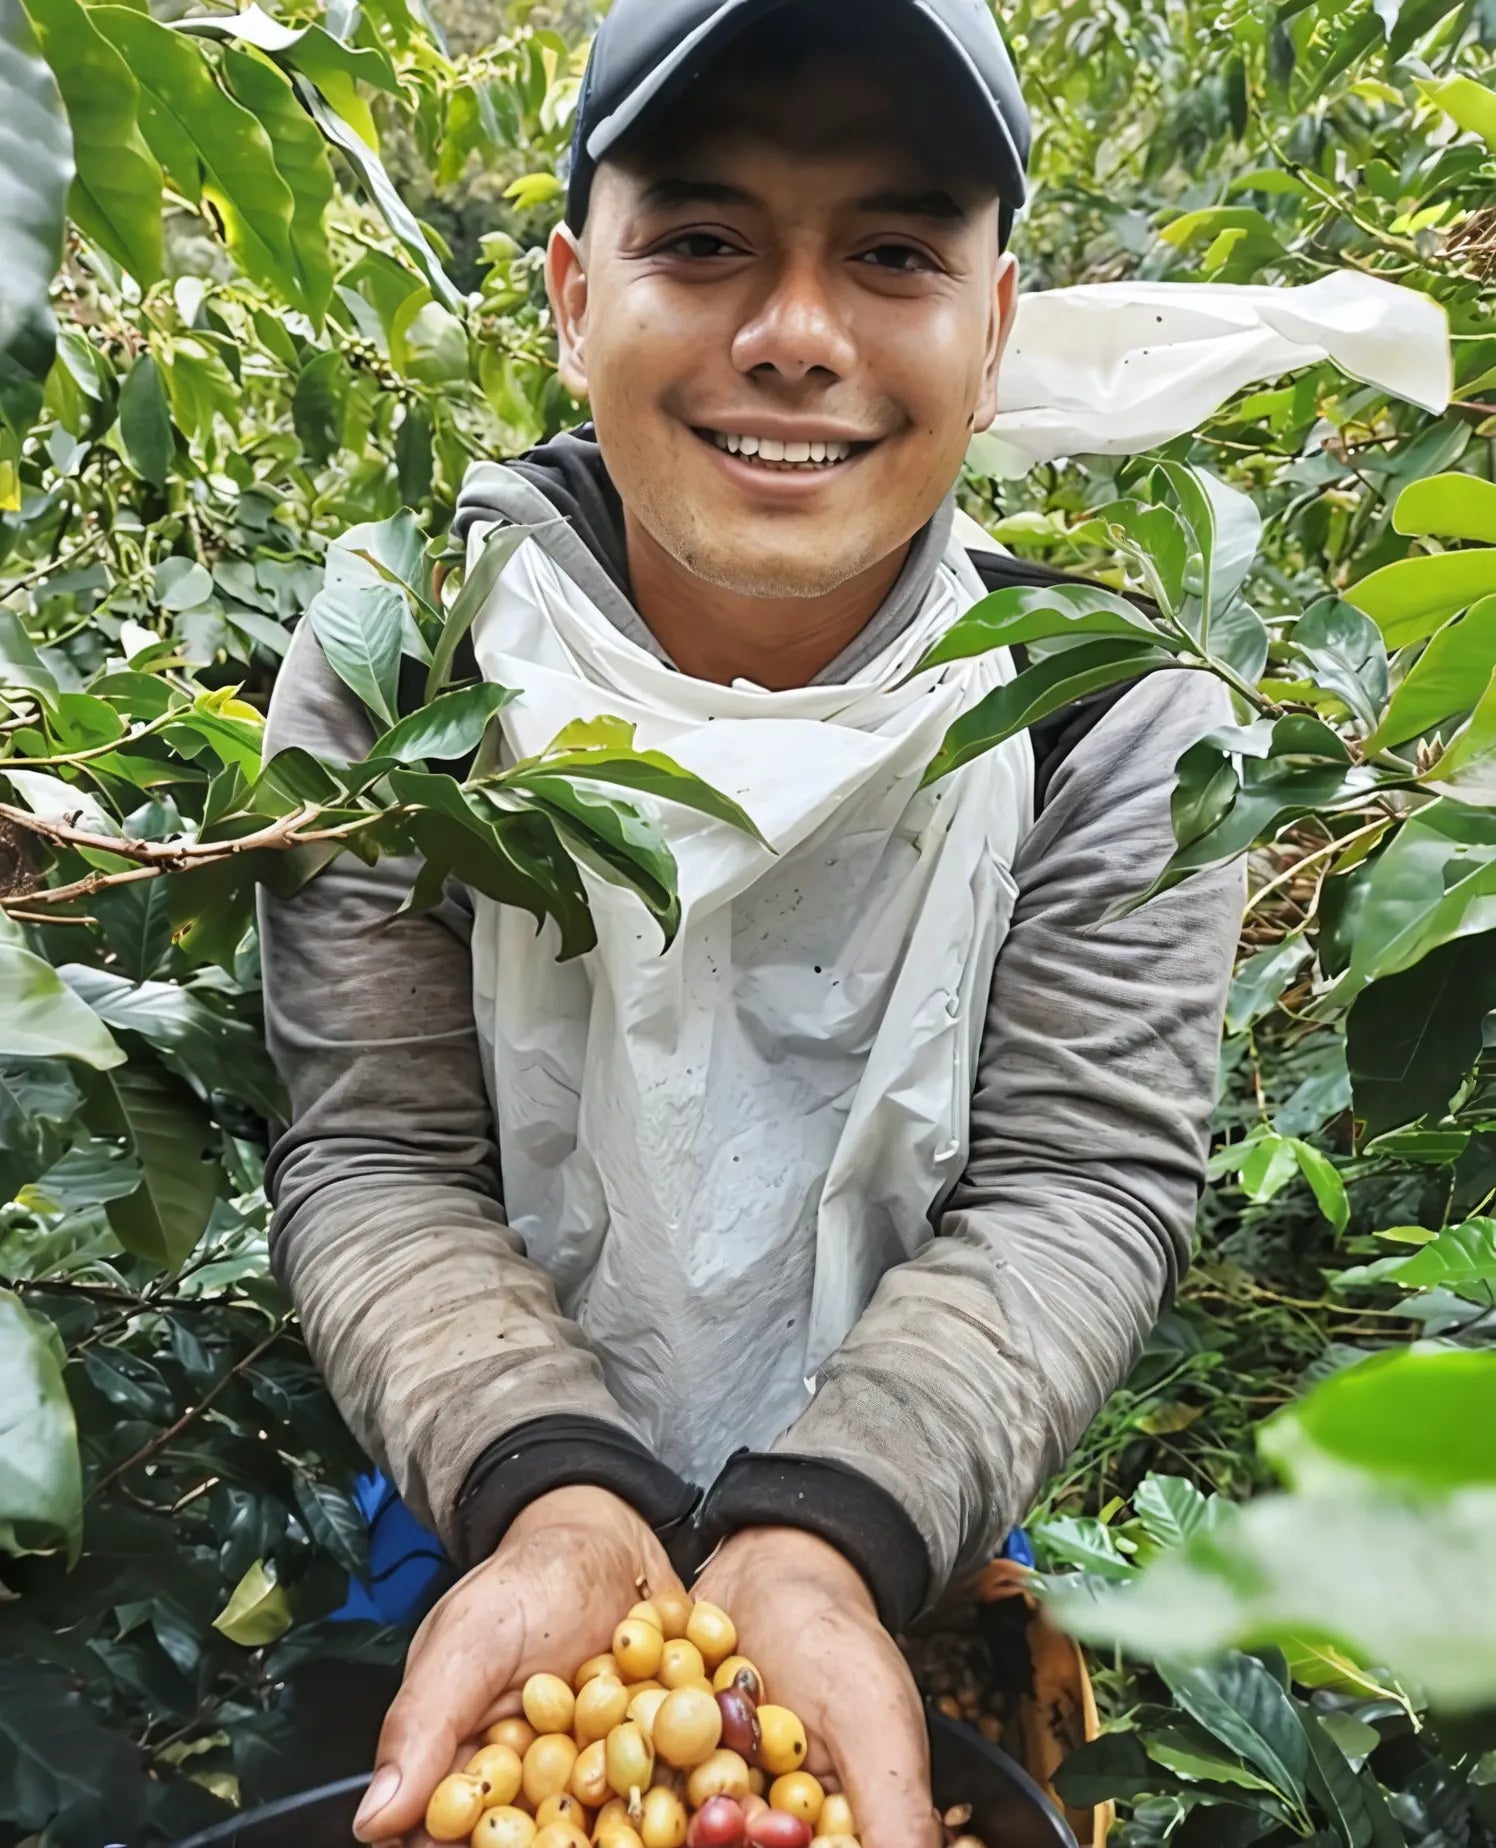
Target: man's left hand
[{"x": 805, "y": 1617}]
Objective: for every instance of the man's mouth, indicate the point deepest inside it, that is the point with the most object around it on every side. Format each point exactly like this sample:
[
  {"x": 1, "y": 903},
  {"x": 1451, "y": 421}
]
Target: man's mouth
[{"x": 779, "y": 456}]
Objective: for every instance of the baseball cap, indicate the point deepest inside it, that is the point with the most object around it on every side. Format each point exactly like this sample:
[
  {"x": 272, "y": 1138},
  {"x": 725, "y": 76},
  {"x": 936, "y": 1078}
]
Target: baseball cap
[{"x": 648, "y": 52}]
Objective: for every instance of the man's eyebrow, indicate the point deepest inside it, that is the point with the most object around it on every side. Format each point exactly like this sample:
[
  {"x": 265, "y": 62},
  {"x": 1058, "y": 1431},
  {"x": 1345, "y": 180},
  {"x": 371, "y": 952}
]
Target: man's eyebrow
[
  {"x": 893, "y": 202},
  {"x": 673, "y": 191}
]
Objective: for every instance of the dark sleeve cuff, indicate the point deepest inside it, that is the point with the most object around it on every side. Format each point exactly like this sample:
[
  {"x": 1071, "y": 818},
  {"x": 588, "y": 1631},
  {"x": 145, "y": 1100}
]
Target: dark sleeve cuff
[
  {"x": 841, "y": 1506},
  {"x": 559, "y": 1453}
]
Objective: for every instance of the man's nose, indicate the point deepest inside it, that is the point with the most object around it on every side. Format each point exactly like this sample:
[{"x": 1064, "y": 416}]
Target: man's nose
[{"x": 797, "y": 328}]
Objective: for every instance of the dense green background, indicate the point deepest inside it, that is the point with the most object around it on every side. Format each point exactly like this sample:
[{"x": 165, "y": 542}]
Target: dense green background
[{"x": 297, "y": 291}]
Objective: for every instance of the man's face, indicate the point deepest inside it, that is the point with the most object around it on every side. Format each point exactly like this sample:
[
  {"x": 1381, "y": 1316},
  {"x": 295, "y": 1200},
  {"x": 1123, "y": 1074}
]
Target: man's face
[{"x": 788, "y": 322}]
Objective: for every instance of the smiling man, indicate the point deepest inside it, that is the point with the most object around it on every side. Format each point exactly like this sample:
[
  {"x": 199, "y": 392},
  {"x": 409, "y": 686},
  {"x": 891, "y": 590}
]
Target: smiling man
[{"x": 799, "y": 1255}]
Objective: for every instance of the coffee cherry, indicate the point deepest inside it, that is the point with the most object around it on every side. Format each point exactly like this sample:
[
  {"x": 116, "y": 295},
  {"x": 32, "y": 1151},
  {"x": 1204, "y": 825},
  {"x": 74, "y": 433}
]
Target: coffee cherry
[
  {"x": 713, "y": 1632},
  {"x": 504, "y": 1828},
  {"x": 738, "y": 1672},
  {"x": 680, "y": 1663},
  {"x": 499, "y": 1770},
  {"x": 561, "y": 1835},
  {"x": 675, "y": 1609},
  {"x": 717, "y": 1824},
  {"x": 519, "y": 1735},
  {"x": 645, "y": 1705},
  {"x": 613, "y": 1812},
  {"x": 836, "y": 1816},
  {"x": 687, "y": 1727},
  {"x": 630, "y": 1758},
  {"x": 782, "y": 1744},
  {"x": 835, "y": 1841},
  {"x": 646, "y": 1611},
  {"x": 778, "y": 1829},
  {"x": 454, "y": 1809},
  {"x": 563, "y": 1807},
  {"x": 589, "y": 1775},
  {"x": 720, "y": 1774},
  {"x": 740, "y": 1730},
  {"x": 798, "y": 1793},
  {"x": 637, "y": 1648},
  {"x": 601, "y": 1705},
  {"x": 549, "y": 1704},
  {"x": 664, "y": 1824},
  {"x": 548, "y": 1766},
  {"x": 618, "y": 1834},
  {"x": 758, "y": 1784},
  {"x": 605, "y": 1664}
]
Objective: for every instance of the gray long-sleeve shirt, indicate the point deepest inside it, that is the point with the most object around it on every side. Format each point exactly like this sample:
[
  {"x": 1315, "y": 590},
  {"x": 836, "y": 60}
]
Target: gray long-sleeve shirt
[{"x": 978, "y": 1363}]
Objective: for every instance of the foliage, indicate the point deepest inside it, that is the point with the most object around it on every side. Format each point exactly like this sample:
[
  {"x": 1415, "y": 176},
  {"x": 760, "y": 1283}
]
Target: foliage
[{"x": 242, "y": 370}]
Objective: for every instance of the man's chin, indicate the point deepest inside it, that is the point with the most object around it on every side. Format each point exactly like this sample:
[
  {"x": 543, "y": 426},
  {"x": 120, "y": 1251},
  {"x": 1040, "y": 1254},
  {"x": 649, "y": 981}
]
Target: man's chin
[{"x": 803, "y": 574}]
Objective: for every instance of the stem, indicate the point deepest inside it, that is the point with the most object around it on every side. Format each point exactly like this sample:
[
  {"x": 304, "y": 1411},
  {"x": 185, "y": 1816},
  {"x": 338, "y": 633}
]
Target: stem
[
  {"x": 88, "y": 756},
  {"x": 1331, "y": 847},
  {"x": 46, "y": 570}
]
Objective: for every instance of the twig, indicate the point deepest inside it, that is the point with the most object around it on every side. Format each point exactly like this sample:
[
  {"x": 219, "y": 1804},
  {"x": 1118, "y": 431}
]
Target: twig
[{"x": 61, "y": 563}]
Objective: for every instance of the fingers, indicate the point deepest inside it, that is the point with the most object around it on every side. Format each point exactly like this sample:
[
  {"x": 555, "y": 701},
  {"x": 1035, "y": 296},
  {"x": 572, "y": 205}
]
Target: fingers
[
  {"x": 467, "y": 1661},
  {"x": 881, "y": 1751}
]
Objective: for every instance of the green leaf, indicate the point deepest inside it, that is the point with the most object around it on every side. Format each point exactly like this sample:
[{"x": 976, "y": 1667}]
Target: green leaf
[
  {"x": 41, "y": 1476},
  {"x": 20, "y": 665},
  {"x": 1271, "y": 1163},
  {"x": 36, "y": 170},
  {"x": 1416, "y": 1420},
  {"x": 359, "y": 620},
  {"x": 1183, "y": 1753},
  {"x": 1335, "y": 1786},
  {"x": 1466, "y": 102},
  {"x": 116, "y": 196},
  {"x": 1171, "y": 1508},
  {"x": 1325, "y": 1183},
  {"x": 649, "y": 773},
  {"x": 1408, "y": 600},
  {"x": 182, "y": 584},
  {"x": 1346, "y": 655},
  {"x": 300, "y": 158},
  {"x": 1082, "y": 1540},
  {"x": 1467, "y": 770},
  {"x": 1412, "y": 1038},
  {"x": 1039, "y": 690},
  {"x": 1461, "y": 1258},
  {"x": 498, "y": 547},
  {"x": 334, "y": 1523},
  {"x": 1115, "y": 1766},
  {"x": 1227, "y": 530},
  {"x": 259, "y": 1611},
  {"x": 175, "y": 1142},
  {"x": 613, "y": 839},
  {"x": 1238, "y": 1702},
  {"x": 318, "y": 405},
  {"x": 450, "y": 728},
  {"x": 1027, "y": 613},
  {"x": 1261, "y": 980},
  {"x": 145, "y": 421},
  {"x": 1448, "y": 507},
  {"x": 239, "y": 175},
  {"x": 1447, "y": 678},
  {"x": 41, "y": 1017}
]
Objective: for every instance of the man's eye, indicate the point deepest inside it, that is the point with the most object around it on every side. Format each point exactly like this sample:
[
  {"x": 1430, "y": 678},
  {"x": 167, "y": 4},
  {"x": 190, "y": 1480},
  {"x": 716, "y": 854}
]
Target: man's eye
[
  {"x": 698, "y": 244},
  {"x": 903, "y": 257}
]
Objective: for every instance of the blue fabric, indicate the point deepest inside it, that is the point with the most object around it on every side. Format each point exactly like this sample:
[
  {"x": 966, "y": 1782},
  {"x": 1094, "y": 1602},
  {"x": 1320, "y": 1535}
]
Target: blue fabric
[{"x": 408, "y": 1569}]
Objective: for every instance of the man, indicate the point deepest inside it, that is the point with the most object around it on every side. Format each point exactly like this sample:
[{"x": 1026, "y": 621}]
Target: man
[{"x": 864, "y": 1196}]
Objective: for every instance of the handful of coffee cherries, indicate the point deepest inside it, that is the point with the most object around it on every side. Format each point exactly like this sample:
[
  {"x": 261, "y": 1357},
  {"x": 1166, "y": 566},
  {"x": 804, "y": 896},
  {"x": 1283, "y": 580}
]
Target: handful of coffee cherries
[{"x": 667, "y": 1741}]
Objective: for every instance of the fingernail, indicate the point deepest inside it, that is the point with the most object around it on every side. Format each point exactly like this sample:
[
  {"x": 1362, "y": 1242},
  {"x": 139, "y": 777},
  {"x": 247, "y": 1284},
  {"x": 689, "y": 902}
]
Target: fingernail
[{"x": 381, "y": 1791}]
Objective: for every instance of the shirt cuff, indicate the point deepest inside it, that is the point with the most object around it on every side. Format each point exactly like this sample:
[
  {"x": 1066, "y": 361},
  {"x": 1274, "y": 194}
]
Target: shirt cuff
[
  {"x": 559, "y": 1452},
  {"x": 840, "y": 1506}
]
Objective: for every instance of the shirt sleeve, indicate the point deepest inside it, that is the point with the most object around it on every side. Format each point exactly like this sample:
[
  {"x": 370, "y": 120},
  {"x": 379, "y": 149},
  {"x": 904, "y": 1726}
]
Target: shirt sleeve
[
  {"x": 442, "y": 1344},
  {"x": 980, "y": 1362}
]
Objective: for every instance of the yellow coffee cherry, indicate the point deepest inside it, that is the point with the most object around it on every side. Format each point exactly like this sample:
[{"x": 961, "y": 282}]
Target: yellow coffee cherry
[
  {"x": 548, "y": 1766},
  {"x": 601, "y": 1705},
  {"x": 675, "y": 1609},
  {"x": 713, "y": 1632},
  {"x": 500, "y": 1771},
  {"x": 549, "y": 1703},
  {"x": 782, "y": 1743},
  {"x": 645, "y": 1705},
  {"x": 560, "y": 1835},
  {"x": 630, "y": 1756},
  {"x": 680, "y": 1662},
  {"x": 563, "y": 1807},
  {"x": 605, "y": 1664},
  {"x": 519, "y": 1735},
  {"x": 665, "y": 1820},
  {"x": 637, "y": 1648},
  {"x": 504, "y": 1828},
  {"x": 589, "y": 1775},
  {"x": 687, "y": 1727},
  {"x": 647, "y": 1612},
  {"x": 842, "y": 1841},
  {"x": 621, "y": 1834},
  {"x": 720, "y": 1774},
  {"x": 800, "y": 1794},
  {"x": 454, "y": 1809},
  {"x": 727, "y": 1673},
  {"x": 614, "y": 1811},
  {"x": 757, "y": 1783},
  {"x": 836, "y": 1816}
]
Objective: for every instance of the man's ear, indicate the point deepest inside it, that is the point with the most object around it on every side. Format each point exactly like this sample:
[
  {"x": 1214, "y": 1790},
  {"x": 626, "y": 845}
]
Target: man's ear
[
  {"x": 1004, "y": 311},
  {"x": 566, "y": 285}
]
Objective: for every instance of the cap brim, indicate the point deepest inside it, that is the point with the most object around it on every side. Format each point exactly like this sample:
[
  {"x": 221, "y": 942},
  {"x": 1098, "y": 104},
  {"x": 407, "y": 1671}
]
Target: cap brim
[{"x": 675, "y": 73}]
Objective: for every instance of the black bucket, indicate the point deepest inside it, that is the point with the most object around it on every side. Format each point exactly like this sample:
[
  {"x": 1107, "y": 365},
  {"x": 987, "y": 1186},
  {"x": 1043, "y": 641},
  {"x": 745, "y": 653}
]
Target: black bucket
[{"x": 1008, "y": 1809}]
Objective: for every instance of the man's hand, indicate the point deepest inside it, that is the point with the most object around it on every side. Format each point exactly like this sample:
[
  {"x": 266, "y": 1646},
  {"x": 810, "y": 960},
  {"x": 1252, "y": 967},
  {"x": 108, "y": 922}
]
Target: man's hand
[
  {"x": 550, "y": 1597},
  {"x": 806, "y": 1618}
]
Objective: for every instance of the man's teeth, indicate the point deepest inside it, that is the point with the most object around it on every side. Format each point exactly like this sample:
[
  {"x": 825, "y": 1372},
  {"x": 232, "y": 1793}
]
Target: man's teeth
[{"x": 770, "y": 449}]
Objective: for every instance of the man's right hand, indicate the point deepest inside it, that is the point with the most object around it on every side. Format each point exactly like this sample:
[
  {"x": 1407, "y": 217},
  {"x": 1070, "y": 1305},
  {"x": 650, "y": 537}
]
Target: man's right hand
[{"x": 564, "y": 1574}]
